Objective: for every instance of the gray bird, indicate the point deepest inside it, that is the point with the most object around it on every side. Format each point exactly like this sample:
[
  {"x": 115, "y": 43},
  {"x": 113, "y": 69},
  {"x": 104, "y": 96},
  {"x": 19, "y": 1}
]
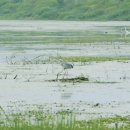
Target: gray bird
[{"x": 65, "y": 66}]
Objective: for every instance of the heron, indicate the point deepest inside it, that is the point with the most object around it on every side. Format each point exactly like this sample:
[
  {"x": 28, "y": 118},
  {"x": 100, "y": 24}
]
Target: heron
[
  {"x": 124, "y": 32},
  {"x": 65, "y": 66}
]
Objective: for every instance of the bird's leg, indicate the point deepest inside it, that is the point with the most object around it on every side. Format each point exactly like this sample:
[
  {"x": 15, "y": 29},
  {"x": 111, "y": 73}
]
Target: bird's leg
[
  {"x": 59, "y": 74},
  {"x": 64, "y": 74}
]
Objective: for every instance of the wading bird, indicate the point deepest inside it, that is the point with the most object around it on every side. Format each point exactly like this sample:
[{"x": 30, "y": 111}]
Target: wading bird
[
  {"x": 124, "y": 32},
  {"x": 65, "y": 66}
]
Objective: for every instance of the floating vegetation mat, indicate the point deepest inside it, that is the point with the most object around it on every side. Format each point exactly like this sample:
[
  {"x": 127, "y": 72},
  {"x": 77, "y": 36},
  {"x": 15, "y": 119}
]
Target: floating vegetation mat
[{"x": 74, "y": 80}]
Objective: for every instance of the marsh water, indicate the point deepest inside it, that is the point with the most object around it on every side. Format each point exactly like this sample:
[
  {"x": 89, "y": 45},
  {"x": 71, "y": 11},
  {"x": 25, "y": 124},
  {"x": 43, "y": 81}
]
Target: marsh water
[{"x": 107, "y": 93}]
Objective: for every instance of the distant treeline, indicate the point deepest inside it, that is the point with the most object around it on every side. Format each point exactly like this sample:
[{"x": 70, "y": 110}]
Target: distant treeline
[{"x": 100, "y": 10}]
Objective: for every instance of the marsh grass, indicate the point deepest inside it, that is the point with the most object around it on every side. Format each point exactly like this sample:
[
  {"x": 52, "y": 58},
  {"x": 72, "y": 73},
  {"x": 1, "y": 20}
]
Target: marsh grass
[
  {"x": 62, "y": 120},
  {"x": 78, "y": 79},
  {"x": 59, "y": 37},
  {"x": 38, "y": 120},
  {"x": 91, "y": 59}
]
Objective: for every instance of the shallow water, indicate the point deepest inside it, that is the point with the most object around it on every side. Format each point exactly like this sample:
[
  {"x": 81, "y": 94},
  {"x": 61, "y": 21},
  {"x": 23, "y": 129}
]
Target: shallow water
[
  {"x": 21, "y": 51},
  {"x": 107, "y": 93},
  {"x": 108, "y": 86},
  {"x": 57, "y": 26}
]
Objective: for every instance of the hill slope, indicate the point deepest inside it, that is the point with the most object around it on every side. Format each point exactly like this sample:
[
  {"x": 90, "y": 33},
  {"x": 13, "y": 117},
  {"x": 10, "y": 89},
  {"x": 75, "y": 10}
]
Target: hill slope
[{"x": 65, "y": 9}]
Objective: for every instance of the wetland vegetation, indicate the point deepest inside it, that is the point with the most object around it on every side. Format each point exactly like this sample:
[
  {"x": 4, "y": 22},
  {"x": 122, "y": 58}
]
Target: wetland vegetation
[
  {"x": 91, "y": 59},
  {"x": 38, "y": 119},
  {"x": 79, "y": 37}
]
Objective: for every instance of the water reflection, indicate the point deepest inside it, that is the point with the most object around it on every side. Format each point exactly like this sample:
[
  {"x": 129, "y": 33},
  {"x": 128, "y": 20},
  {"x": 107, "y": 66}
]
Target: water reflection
[{"x": 66, "y": 95}]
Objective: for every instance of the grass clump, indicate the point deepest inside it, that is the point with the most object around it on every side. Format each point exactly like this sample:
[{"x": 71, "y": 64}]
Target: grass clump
[
  {"x": 38, "y": 119},
  {"x": 78, "y": 79},
  {"x": 92, "y": 59}
]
